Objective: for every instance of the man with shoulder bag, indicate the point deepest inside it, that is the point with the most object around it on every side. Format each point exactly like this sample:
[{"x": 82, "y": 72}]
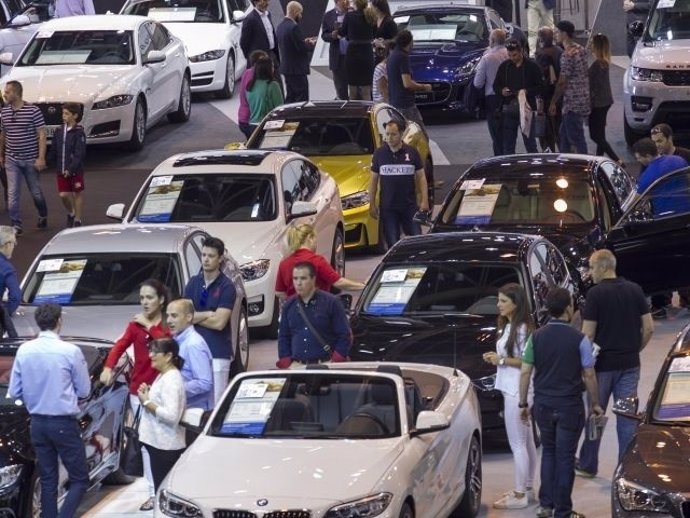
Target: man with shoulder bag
[{"x": 313, "y": 325}]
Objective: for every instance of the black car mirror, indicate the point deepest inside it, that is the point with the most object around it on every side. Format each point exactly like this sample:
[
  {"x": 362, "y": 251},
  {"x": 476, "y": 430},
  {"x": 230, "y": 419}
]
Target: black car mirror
[
  {"x": 636, "y": 29},
  {"x": 423, "y": 217},
  {"x": 627, "y": 407}
]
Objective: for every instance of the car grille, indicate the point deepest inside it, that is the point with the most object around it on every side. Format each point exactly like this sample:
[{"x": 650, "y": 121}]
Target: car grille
[
  {"x": 676, "y": 77},
  {"x": 52, "y": 112},
  {"x": 231, "y": 513},
  {"x": 439, "y": 93},
  {"x": 685, "y": 509}
]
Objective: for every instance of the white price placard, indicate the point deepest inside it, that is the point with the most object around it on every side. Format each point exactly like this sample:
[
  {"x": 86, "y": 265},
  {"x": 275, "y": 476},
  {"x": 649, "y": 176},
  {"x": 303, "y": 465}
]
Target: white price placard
[
  {"x": 469, "y": 185},
  {"x": 49, "y": 265},
  {"x": 160, "y": 180}
]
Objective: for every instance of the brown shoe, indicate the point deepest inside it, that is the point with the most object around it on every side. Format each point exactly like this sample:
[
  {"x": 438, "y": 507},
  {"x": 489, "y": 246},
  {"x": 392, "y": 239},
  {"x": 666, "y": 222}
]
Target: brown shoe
[{"x": 147, "y": 506}]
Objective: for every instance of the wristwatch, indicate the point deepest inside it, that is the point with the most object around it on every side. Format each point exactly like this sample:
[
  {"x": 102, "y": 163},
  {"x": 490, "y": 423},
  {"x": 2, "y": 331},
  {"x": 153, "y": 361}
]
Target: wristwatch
[
  {"x": 523, "y": 405},
  {"x": 502, "y": 361}
]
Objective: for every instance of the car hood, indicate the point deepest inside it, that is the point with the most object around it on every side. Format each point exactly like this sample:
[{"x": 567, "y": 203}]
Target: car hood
[
  {"x": 351, "y": 173},
  {"x": 440, "y": 61},
  {"x": 454, "y": 341},
  {"x": 666, "y": 55},
  {"x": 646, "y": 461},
  {"x": 299, "y": 468},
  {"x": 200, "y": 37},
  {"x": 76, "y": 83},
  {"x": 104, "y": 322}
]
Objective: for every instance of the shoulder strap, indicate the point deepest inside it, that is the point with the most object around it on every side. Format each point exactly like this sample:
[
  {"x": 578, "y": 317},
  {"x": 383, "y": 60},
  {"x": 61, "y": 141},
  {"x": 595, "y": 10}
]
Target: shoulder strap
[{"x": 318, "y": 336}]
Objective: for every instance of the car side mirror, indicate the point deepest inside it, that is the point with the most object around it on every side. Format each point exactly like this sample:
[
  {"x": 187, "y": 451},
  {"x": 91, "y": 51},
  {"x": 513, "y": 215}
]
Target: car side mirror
[
  {"x": 21, "y": 20},
  {"x": 636, "y": 29},
  {"x": 423, "y": 217},
  {"x": 430, "y": 421},
  {"x": 154, "y": 56},
  {"x": 627, "y": 407},
  {"x": 233, "y": 146},
  {"x": 301, "y": 209},
  {"x": 116, "y": 211},
  {"x": 238, "y": 16},
  {"x": 7, "y": 58},
  {"x": 195, "y": 419}
]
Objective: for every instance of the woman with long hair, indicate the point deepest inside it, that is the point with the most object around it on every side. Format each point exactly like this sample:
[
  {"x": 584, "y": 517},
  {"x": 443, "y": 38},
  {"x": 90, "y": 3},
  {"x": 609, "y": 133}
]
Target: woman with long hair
[
  {"x": 263, "y": 92},
  {"x": 144, "y": 327},
  {"x": 386, "y": 29},
  {"x": 600, "y": 94},
  {"x": 163, "y": 404},
  {"x": 514, "y": 326},
  {"x": 358, "y": 28}
]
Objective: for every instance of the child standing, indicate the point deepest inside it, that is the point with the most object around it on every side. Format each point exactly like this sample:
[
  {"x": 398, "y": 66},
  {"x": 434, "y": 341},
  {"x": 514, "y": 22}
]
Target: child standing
[{"x": 67, "y": 152}]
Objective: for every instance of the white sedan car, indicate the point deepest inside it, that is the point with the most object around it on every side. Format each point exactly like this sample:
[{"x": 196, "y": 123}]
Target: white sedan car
[
  {"x": 350, "y": 440},
  {"x": 210, "y": 30},
  {"x": 127, "y": 73},
  {"x": 248, "y": 199}
]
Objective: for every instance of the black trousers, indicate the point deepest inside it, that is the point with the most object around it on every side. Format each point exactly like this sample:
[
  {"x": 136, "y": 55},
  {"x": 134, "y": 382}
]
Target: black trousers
[
  {"x": 597, "y": 132},
  {"x": 297, "y": 88},
  {"x": 340, "y": 80},
  {"x": 162, "y": 462}
]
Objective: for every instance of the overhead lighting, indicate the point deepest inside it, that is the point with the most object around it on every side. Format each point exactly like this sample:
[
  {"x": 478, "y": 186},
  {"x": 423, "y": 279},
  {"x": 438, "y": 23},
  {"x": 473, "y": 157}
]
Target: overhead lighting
[{"x": 562, "y": 183}]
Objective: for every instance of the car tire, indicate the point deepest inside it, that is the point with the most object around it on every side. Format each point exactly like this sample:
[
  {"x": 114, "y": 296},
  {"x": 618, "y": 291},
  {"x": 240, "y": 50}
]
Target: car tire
[
  {"x": 381, "y": 247},
  {"x": 406, "y": 511},
  {"x": 184, "y": 104},
  {"x": 471, "y": 500},
  {"x": 138, "y": 127},
  {"x": 338, "y": 253},
  {"x": 240, "y": 363},
  {"x": 229, "y": 86},
  {"x": 630, "y": 136}
]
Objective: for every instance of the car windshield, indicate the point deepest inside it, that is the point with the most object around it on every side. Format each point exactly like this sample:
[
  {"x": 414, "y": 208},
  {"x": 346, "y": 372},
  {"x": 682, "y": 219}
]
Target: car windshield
[
  {"x": 438, "y": 288},
  {"x": 669, "y": 21},
  {"x": 316, "y": 136},
  {"x": 218, "y": 197},
  {"x": 99, "y": 279},
  {"x": 310, "y": 406},
  {"x": 196, "y": 11},
  {"x": 79, "y": 48},
  {"x": 673, "y": 402},
  {"x": 454, "y": 26},
  {"x": 6, "y": 362},
  {"x": 519, "y": 198}
]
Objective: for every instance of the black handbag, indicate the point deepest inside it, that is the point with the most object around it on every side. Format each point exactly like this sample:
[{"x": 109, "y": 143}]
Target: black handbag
[{"x": 132, "y": 462}]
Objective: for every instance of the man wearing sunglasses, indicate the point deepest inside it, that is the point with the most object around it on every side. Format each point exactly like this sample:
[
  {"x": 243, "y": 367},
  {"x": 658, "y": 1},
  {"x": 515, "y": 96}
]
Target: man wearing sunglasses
[{"x": 213, "y": 295}]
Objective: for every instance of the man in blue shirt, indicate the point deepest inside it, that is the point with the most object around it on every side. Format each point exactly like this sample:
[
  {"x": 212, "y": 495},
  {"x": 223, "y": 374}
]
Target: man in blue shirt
[
  {"x": 8, "y": 279},
  {"x": 49, "y": 376},
  {"x": 196, "y": 370},
  {"x": 213, "y": 296},
  {"x": 313, "y": 325}
]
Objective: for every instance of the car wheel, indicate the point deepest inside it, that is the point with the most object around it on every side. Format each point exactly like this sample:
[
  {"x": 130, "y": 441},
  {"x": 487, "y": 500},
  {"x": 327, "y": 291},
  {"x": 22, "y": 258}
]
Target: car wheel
[
  {"x": 338, "y": 253},
  {"x": 119, "y": 477},
  {"x": 184, "y": 105},
  {"x": 471, "y": 500},
  {"x": 138, "y": 127},
  {"x": 406, "y": 511},
  {"x": 429, "y": 172},
  {"x": 229, "y": 86},
  {"x": 240, "y": 363},
  {"x": 381, "y": 247}
]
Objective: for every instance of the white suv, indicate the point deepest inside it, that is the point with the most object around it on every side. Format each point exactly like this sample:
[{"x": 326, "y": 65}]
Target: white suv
[{"x": 657, "y": 83}]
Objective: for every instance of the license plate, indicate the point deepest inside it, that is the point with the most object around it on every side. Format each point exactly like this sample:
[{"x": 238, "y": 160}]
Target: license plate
[{"x": 423, "y": 97}]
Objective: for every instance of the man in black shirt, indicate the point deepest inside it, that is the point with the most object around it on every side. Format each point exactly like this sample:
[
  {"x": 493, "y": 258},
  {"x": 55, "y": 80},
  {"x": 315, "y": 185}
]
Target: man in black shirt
[
  {"x": 515, "y": 74},
  {"x": 662, "y": 135},
  {"x": 616, "y": 317}
]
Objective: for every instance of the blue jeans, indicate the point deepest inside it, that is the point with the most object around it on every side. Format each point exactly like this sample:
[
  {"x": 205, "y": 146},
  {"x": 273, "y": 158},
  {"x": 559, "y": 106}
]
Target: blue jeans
[
  {"x": 15, "y": 170},
  {"x": 393, "y": 219},
  {"x": 560, "y": 430},
  {"x": 54, "y": 437},
  {"x": 573, "y": 133},
  {"x": 621, "y": 384},
  {"x": 510, "y": 127}
]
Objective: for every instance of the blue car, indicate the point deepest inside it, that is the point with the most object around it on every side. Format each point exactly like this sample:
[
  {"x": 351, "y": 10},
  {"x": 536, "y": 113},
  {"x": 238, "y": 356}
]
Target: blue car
[{"x": 449, "y": 40}]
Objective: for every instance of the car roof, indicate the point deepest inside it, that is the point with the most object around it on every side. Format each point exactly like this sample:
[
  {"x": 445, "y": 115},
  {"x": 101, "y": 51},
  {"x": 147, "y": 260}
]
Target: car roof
[
  {"x": 500, "y": 247},
  {"x": 570, "y": 162},
  {"x": 447, "y": 6},
  {"x": 324, "y": 109},
  {"x": 134, "y": 238},
  {"x": 242, "y": 161},
  {"x": 94, "y": 22}
]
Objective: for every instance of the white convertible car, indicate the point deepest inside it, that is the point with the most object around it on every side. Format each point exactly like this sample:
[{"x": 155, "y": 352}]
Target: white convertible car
[
  {"x": 210, "y": 30},
  {"x": 127, "y": 73},
  {"x": 343, "y": 441}
]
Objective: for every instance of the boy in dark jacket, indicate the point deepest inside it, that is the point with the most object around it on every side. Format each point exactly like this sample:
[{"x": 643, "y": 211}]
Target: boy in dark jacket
[{"x": 67, "y": 152}]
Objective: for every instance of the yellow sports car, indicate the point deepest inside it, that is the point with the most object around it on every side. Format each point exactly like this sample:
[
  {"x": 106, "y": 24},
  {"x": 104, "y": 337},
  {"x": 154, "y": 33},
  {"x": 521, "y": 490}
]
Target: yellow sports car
[{"x": 340, "y": 137}]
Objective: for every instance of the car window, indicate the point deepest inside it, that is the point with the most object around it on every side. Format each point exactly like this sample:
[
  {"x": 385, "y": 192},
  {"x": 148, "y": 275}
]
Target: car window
[
  {"x": 308, "y": 406},
  {"x": 668, "y": 197},
  {"x": 669, "y": 21},
  {"x": 208, "y": 198},
  {"x": 161, "y": 37},
  {"x": 619, "y": 180},
  {"x": 316, "y": 136},
  {"x": 467, "y": 26},
  {"x": 295, "y": 187},
  {"x": 438, "y": 288},
  {"x": 556, "y": 265},
  {"x": 93, "y": 356},
  {"x": 192, "y": 254},
  {"x": 92, "y": 47},
  {"x": 179, "y": 11},
  {"x": 99, "y": 279},
  {"x": 237, "y": 5},
  {"x": 145, "y": 38},
  {"x": 672, "y": 403},
  {"x": 309, "y": 177}
]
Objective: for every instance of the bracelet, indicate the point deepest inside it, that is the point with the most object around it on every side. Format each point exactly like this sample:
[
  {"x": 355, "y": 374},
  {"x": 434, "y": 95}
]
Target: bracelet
[{"x": 502, "y": 361}]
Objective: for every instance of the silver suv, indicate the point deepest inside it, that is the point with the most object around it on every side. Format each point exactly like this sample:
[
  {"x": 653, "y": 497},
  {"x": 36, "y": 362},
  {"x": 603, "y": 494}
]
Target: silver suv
[{"x": 657, "y": 83}]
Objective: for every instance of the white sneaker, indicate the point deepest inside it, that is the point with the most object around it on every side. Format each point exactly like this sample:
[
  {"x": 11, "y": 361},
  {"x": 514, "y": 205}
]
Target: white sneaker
[{"x": 510, "y": 501}]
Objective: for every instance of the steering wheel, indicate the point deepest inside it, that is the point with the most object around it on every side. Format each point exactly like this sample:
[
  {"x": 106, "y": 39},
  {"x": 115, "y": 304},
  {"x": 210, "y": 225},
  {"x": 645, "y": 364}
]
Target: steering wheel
[
  {"x": 576, "y": 214},
  {"x": 374, "y": 419}
]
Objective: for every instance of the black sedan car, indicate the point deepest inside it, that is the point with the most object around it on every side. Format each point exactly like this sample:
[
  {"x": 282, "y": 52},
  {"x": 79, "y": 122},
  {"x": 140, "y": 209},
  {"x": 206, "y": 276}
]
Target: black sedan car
[
  {"x": 580, "y": 203},
  {"x": 433, "y": 300},
  {"x": 101, "y": 419},
  {"x": 652, "y": 478}
]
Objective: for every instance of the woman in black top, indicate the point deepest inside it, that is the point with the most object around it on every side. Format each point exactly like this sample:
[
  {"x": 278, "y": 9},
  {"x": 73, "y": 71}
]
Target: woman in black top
[
  {"x": 359, "y": 59},
  {"x": 600, "y": 95},
  {"x": 386, "y": 29}
]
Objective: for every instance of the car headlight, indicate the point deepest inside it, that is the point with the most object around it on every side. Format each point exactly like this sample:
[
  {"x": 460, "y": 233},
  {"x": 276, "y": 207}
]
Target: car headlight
[
  {"x": 646, "y": 74},
  {"x": 208, "y": 56},
  {"x": 113, "y": 102},
  {"x": 255, "y": 269},
  {"x": 485, "y": 384},
  {"x": 634, "y": 497},
  {"x": 358, "y": 199},
  {"x": 364, "y": 508},
  {"x": 9, "y": 475},
  {"x": 469, "y": 67},
  {"x": 171, "y": 505}
]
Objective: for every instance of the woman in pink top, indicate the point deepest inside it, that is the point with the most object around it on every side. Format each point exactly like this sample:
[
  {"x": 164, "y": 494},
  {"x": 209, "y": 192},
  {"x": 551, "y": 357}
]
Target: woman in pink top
[{"x": 243, "y": 113}]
